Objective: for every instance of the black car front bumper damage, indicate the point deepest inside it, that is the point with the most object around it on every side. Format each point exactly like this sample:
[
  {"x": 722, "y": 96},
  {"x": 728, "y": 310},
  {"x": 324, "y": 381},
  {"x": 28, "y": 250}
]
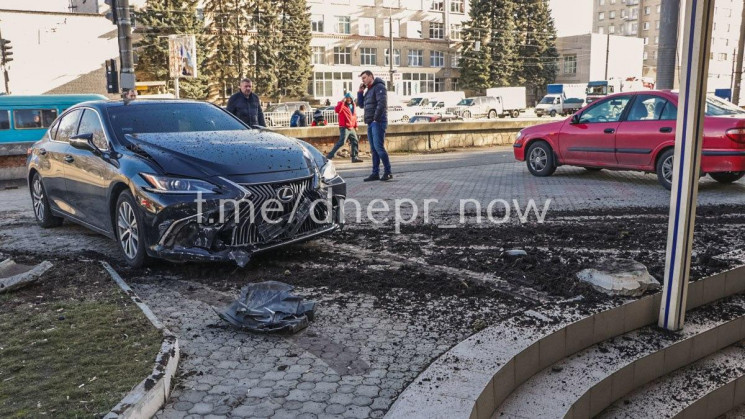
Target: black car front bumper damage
[{"x": 235, "y": 230}]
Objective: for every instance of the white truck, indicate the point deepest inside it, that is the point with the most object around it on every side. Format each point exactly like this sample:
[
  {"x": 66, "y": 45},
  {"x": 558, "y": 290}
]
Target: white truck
[
  {"x": 512, "y": 100},
  {"x": 553, "y": 103},
  {"x": 432, "y": 103}
]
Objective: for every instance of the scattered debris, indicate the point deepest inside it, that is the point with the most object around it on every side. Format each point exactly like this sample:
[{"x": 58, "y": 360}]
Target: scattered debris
[
  {"x": 619, "y": 277},
  {"x": 13, "y": 275},
  {"x": 269, "y": 307}
]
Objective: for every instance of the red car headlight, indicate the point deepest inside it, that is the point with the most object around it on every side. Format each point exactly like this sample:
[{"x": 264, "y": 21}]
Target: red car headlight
[{"x": 736, "y": 134}]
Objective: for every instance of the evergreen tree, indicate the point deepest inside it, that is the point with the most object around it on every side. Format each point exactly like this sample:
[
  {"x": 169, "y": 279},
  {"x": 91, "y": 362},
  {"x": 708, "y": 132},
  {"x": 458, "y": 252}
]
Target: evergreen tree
[
  {"x": 156, "y": 21},
  {"x": 222, "y": 47},
  {"x": 294, "y": 53},
  {"x": 502, "y": 42},
  {"x": 265, "y": 43},
  {"x": 476, "y": 56},
  {"x": 538, "y": 63}
]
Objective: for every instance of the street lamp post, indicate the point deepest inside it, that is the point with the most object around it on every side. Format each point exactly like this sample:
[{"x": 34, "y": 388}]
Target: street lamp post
[{"x": 390, "y": 50}]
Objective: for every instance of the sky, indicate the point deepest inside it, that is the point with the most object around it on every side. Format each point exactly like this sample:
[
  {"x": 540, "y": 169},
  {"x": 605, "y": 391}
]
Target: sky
[{"x": 572, "y": 17}]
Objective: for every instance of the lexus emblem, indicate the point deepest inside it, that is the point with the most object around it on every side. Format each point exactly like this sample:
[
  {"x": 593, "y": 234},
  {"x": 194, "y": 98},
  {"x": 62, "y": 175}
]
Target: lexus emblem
[{"x": 285, "y": 194}]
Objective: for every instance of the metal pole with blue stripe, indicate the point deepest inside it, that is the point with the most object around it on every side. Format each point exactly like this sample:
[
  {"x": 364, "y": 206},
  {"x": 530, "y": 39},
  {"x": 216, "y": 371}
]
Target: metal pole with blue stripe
[{"x": 696, "y": 44}]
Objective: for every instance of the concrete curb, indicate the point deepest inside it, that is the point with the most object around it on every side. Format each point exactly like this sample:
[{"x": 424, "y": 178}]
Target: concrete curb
[
  {"x": 152, "y": 393},
  {"x": 482, "y": 371}
]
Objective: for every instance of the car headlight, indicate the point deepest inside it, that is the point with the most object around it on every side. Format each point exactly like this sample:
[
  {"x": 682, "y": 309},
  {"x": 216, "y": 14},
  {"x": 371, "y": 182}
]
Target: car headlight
[
  {"x": 177, "y": 185},
  {"x": 328, "y": 172},
  {"x": 519, "y": 136}
]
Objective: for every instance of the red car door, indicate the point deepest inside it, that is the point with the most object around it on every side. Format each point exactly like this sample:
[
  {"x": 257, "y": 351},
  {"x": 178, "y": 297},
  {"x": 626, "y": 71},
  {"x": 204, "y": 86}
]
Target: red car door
[
  {"x": 649, "y": 123},
  {"x": 589, "y": 139}
]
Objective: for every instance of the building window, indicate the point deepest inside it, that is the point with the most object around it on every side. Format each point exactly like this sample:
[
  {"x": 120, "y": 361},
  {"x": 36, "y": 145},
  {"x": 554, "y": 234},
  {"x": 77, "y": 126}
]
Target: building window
[
  {"x": 456, "y": 31},
  {"x": 612, "y": 14},
  {"x": 367, "y": 26},
  {"x": 439, "y": 85},
  {"x": 415, "y": 83},
  {"x": 611, "y": 29},
  {"x": 601, "y": 30},
  {"x": 601, "y": 16},
  {"x": 436, "y": 59},
  {"x": 316, "y": 23},
  {"x": 319, "y": 55},
  {"x": 647, "y": 10},
  {"x": 657, "y": 24},
  {"x": 342, "y": 55},
  {"x": 343, "y": 24},
  {"x": 458, "y": 6},
  {"x": 415, "y": 58},
  {"x": 437, "y": 5},
  {"x": 656, "y": 40},
  {"x": 658, "y": 8},
  {"x": 646, "y": 55},
  {"x": 646, "y": 40},
  {"x": 646, "y": 26},
  {"x": 722, "y": 56},
  {"x": 396, "y": 57},
  {"x": 601, "y": 2},
  {"x": 436, "y": 30},
  {"x": 570, "y": 64},
  {"x": 455, "y": 60},
  {"x": 368, "y": 56},
  {"x": 322, "y": 84},
  {"x": 387, "y": 27}
]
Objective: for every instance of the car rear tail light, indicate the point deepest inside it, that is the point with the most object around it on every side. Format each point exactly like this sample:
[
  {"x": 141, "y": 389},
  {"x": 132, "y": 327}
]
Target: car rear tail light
[{"x": 736, "y": 134}]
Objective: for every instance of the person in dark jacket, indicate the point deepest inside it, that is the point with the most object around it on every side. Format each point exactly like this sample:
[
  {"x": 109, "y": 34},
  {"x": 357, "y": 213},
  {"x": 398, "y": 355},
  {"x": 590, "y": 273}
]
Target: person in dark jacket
[
  {"x": 246, "y": 105},
  {"x": 347, "y": 127},
  {"x": 375, "y": 103},
  {"x": 299, "y": 118}
]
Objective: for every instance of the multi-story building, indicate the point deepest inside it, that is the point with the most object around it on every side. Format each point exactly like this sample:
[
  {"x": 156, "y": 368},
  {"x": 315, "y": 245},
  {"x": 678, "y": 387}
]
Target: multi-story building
[
  {"x": 583, "y": 58},
  {"x": 641, "y": 18},
  {"x": 350, "y": 36}
]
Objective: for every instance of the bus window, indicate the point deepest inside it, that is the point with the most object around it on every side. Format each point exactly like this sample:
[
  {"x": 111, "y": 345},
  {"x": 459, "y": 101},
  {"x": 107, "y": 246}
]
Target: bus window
[
  {"x": 4, "y": 119},
  {"x": 34, "y": 118}
]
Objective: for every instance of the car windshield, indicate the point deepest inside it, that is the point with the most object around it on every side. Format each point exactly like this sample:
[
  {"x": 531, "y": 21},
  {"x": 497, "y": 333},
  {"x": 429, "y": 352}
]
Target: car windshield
[
  {"x": 548, "y": 100},
  {"x": 415, "y": 101},
  {"x": 720, "y": 107},
  {"x": 144, "y": 118},
  {"x": 465, "y": 102}
]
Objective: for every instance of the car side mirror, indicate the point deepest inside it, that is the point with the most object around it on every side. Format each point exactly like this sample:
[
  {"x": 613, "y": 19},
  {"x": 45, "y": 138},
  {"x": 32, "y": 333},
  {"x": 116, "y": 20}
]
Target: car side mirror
[
  {"x": 575, "y": 119},
  {"x": 84, "y": 142}
]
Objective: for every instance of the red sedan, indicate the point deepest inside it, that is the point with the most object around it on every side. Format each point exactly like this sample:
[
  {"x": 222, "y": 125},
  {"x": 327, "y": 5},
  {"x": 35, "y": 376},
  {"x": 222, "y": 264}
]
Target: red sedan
[{"x": 635, "y": 131}]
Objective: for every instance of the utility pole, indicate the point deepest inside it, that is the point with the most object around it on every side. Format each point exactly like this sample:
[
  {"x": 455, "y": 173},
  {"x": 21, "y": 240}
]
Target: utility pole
[
  {"x": 607, "y": 54},
  {"x": 666, "y": 58},
  {"x": 390, "y": 50},
  {"x": 738, "y": 66}
]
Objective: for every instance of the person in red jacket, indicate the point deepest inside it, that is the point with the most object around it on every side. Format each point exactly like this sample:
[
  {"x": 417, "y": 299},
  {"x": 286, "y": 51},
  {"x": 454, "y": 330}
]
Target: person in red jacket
[{"x": 347, "y": 128}]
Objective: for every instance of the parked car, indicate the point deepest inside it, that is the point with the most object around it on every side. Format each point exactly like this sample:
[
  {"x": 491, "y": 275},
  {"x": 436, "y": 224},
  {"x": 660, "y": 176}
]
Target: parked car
[
  {"x": 477, "y": 107},
  {"x": 180, "y": 180},
  {"x": 635, "y": 131}
]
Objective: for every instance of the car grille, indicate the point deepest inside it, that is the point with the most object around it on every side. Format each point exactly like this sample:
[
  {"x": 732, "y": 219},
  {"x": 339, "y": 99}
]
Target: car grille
[{"x": 252, "y": 229}]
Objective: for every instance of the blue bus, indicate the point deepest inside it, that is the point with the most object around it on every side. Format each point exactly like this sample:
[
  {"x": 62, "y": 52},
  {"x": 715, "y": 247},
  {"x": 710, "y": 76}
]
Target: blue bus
[{"x": 25, "y": 119}]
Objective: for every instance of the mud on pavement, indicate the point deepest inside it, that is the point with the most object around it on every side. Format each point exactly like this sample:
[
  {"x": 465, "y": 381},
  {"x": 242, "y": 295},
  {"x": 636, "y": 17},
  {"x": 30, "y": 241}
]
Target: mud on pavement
[{"x": 389, "y": 304}]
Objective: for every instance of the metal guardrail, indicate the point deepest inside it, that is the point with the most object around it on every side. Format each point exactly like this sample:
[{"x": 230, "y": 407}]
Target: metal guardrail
[{"x": 282, "y": 119}]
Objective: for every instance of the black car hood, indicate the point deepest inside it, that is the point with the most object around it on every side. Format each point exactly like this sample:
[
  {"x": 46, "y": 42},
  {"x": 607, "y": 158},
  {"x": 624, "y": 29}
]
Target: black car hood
[{"x": 223, "y": 153}]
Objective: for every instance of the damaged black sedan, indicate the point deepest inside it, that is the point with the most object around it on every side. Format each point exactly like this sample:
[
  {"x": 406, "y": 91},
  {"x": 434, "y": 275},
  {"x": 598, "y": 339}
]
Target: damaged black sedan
[{"x": 182, "y": 181}]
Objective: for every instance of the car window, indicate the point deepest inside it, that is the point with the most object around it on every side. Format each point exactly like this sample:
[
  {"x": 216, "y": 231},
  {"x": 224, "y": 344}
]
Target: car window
[
  {"x": 68, "y": 126},
  {"x": 90, "y": 123},
  {"x": 609, "y": 110},
  {"x": 4, "y": 119},
  {"x": 670, "y": 113},
  {"x": 646, "y": 108}
]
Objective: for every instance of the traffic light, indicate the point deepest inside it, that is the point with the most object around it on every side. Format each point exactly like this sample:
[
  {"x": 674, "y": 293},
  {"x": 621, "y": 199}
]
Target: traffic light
[
  {"x": 111, "y": 14},
  {"x": 112, "y": 77},
  {"x": 5, "y": 49}
]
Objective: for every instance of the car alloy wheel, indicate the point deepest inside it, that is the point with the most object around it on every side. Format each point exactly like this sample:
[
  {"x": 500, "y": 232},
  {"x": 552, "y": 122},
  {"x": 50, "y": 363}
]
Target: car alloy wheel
[
  {"x": 665, "y": 169},
  {"x": 126, "y": 223},
  {"x": 538, "y": 159},
  {"x": 466, "y": 114},
  {"x": 42, "y": 211},
  {"x": 492, "y": 114}
]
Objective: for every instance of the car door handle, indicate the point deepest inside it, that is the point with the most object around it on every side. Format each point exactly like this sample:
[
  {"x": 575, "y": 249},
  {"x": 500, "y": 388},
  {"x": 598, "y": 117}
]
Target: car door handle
[
  {"x": 666, "y": 129},
  {"x": 42, "y": 152},
  {"x": 69, "y": 159},
  {"x": 609, "y": 131}
]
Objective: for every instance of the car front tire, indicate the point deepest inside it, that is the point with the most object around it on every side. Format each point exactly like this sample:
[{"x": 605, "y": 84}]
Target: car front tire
[
  {"x": 129, "y": 225},
  {"x": 42, "y": 210},
  {"x": 552, "y": 114},
  {"x": 514, "y": 114},
  {"x": 540, "y": 159},
  {"x": 727, "y": 177},
  {"x": 664, "y": 169}
]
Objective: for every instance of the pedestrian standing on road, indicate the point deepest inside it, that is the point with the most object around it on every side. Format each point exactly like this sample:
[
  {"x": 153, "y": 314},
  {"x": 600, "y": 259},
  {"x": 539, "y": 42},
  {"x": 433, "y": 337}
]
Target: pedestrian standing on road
[
  {"x": 246, "y": 106},
  {"x": 373, "y": 98},
  {"x": 347, "y": 128},
  {"x": 299, "y": 119}
]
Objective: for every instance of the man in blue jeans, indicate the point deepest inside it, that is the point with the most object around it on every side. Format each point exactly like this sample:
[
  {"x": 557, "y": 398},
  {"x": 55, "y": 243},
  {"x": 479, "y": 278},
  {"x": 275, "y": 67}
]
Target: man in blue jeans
[{"x": 375, "y": 103}]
